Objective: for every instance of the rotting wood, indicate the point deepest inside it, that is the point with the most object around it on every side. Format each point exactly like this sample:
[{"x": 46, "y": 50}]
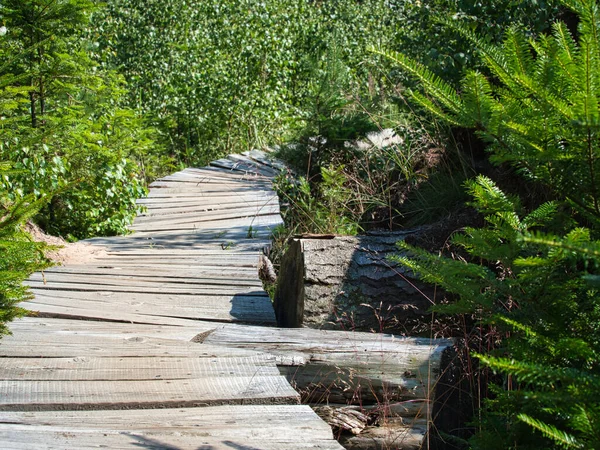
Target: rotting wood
[
  {"x": 338, "y": 366},
  {"x": 388, "y": 377}
]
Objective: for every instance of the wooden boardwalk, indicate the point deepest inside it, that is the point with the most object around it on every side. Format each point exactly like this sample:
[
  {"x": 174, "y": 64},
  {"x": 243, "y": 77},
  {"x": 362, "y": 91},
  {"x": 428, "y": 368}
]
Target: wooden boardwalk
[{"x": 116, "y": 356}]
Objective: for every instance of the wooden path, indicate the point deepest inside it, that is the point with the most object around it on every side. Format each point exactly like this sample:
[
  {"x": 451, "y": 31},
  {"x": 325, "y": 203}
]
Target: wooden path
[{"x": 116, "y": 356}]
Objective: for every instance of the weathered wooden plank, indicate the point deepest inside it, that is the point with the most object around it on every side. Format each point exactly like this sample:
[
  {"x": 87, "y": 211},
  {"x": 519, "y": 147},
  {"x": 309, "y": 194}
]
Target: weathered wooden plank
[
  {"x": 223, "y": 172},
  {"x": 256, "y": 222},
  {"x": 215, "y": 308},
  {"x": 104, "y": 277},
  {"x": 115, "y": 394},
  {"x": 172, "y": 288},
  {"x": 210, "y": 192},
  {"x": 338, "y": 366},
  {"x": 78, "y": 312},
  {"x": 266, "y": 159},
  {"x": 253, "y": 165},
  {"x": 184, "y": 332},
  {"x": 266, "y": 216},
  {"x": 26, "y": 438},
  {"x": 201, "y": 201},
  {"x": 56, "y": 345},
  {"x": 218, "y": 427},
  {"x": 162, "y": 275},
  {"x": 132, "y": 368},
  {"x": 193, "y": 179},
  {"x": 203, "y": 216},
  {"x": 167, "y": 208}
]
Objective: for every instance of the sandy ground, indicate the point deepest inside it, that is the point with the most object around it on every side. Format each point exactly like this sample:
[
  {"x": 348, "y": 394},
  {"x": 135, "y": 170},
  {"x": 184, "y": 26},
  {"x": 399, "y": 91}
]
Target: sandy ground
[{"x": 68, "y": 253}]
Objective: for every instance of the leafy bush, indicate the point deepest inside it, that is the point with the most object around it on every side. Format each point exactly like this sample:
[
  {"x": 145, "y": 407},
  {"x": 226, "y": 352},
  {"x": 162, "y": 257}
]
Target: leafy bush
[
  {"x": 63, "y": 127},
  {"x": 223, "y": 76},
  {"x": 329, "y": 211}
]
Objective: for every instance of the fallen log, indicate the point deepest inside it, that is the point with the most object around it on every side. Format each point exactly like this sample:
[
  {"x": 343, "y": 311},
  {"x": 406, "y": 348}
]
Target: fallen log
[
  {"x": 378, "y": 388},
  {"x": 348, "y": 283}
]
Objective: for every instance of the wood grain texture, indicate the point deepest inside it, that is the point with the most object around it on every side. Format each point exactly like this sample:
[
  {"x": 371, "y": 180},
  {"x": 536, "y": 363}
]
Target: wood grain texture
[
  {"x": 216, "y": 427},
  {"x": 115, "y": 354}
]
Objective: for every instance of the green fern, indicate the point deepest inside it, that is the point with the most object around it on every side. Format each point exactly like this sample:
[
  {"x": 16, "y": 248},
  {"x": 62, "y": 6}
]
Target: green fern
[
  {"x": 540, "y": 290},
  {"x": 543, "y": 116},
  {"x": 551, "y": 432}
]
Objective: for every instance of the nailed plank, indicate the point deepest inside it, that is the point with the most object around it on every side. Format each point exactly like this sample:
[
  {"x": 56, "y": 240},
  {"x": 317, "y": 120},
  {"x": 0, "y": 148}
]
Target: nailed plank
[
  {"x": 267, "y": 223},
  {"x": 93, "y": 314},
  {"x": 253, "y": 165},
  {"x": 226, "y": 199},
  {"x": 237, "y": 308},
  {"x": 153, "y": 209},
  {"x": 184, "y": 332},
  {"x": 41, "y": 345},
  {"x": 201, "y": 179},
  {"x": 224, "y": 172},
  {"x": 196, "y": 220},
  {"x": 25, "y": 438},
  {"x": 203, "y": 216},
  {"x": 266, "y": 159}
]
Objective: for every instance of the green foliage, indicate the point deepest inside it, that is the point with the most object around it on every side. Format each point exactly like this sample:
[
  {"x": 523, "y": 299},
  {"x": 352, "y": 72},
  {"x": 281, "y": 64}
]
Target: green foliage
[
  {"x": 543, "y": 117},
  {"x": 534, "y": 288},
  {"x": 424, "y": 38},
  {"x": 223, "y": 76},
  {"x": 326, "y": 212},
  {"x": 20, "y": 256},
  {"x": 63, "y": 125}
]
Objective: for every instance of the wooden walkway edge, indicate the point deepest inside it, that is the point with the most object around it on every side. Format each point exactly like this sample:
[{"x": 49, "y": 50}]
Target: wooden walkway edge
[{"x": 116, "y": 354}]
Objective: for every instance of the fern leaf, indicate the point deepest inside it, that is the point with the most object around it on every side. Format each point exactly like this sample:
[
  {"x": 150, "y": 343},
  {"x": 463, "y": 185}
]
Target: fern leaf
[
  {"x": 477, "y": 99},
  {"x": 435, "y": 110},
  {"x": 517, "y": 53},
  {"x": 550, "y": 431},
  {"x": 541, "y": 215},
  {"x": 488, "y": 197},
  {"x": 572, "y": 243}
]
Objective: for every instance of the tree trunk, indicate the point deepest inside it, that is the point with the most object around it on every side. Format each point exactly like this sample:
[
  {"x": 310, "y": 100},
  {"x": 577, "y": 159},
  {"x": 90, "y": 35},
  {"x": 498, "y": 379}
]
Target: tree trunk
[{"x": 349, "y": 283}]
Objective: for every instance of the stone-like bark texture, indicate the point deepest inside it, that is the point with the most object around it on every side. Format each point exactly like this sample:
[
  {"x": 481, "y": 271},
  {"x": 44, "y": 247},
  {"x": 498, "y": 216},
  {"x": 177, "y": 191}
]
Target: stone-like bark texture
[{"x": 350, "y": 283}]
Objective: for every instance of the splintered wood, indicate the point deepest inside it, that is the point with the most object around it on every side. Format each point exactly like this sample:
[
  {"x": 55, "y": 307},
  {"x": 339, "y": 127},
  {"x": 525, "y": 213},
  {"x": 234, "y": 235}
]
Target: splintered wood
[{"x": 115, "y": 352}]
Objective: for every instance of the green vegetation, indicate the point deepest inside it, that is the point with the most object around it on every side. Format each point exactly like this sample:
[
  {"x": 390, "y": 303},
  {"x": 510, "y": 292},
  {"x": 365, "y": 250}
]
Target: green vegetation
[
  {"x": 65, "y": 129},
  {"x": 20, "y": 256},
  {"x": 98, "y": 99},
  {"x": 529, "y": 281}
]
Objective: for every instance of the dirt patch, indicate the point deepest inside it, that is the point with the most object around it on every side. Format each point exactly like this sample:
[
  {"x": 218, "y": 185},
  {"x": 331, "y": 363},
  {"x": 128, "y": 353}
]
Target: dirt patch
[{"x": 67, "y": 253}]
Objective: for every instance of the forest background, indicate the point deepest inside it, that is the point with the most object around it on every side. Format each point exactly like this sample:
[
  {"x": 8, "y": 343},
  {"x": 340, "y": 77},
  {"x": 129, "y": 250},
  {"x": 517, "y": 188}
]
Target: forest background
[{"x": 495, "y": 108}]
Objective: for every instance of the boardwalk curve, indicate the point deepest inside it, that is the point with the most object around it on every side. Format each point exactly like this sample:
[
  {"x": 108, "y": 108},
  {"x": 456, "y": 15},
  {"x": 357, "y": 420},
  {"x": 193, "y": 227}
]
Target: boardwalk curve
[{"x": 116, "y": 357}]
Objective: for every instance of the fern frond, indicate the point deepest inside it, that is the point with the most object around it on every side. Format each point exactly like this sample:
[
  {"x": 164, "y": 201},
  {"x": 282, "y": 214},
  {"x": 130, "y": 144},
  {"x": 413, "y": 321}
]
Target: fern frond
[
  {"x": 572, "y": 243},
  {"x": 432, "y": 84},
  {"x": 541, "y": 215},
  {"x": 477, "y": 99},
  {"x": 550, "y": 431},
  {"x": 488, "y": 197},
  {"x": 517, "y": 53},
  {"x": 569, "y": 51},
  {"x": 435, "y": 110}
]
